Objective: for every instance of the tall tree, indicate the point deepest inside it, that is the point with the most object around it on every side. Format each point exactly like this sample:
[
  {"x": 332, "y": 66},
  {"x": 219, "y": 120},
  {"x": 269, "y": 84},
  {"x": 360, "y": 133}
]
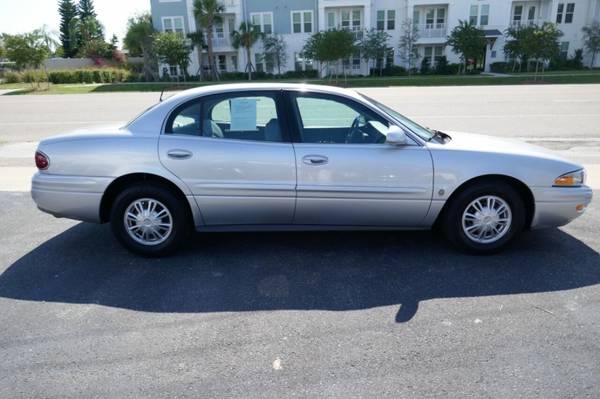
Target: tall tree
[
  {"x": 139, "y": 40},
  {"x": 207, "y": 14},
  {"x": 28, "y": 50},
  {"x": 245, "y": 37},
  {"x": 408, "y": 44},
  {"x": 330, "y": 47},
  {"x": 86, "y": 9},
  {"x": 274, "y": 48},
  {"x": 68, "y": 12},
  {"x": 375, "y": 46},
  {"x": 547, "y": 46},
  {"x": 172, "y": 49},
  {"x": 467, "y": 40},
  {"x": 90, "y": 26},
  {"x": 591, "y": 40}
]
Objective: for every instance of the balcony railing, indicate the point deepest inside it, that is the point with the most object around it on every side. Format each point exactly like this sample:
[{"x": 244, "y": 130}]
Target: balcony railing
[
  {"x": 432, "y": 30},
  {"x": 526, "y": 22},
  {"x": 221, "y": 42}
]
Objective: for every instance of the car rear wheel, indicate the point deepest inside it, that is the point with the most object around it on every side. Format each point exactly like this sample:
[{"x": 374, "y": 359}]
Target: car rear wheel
[
  {"x": 485, "y": 218},
  {"x": 149, "y": 220}
]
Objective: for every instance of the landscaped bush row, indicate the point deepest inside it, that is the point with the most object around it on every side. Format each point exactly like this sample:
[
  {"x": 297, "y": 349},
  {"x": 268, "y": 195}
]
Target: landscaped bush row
[
  {"x": 73, "y": 76},
  {"x": 104, "y": 75}
]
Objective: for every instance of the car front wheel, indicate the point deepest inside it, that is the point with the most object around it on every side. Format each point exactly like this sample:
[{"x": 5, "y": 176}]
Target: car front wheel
[
  {"x": 149, "y": 220},
  {"x": 485, "y": 218}
]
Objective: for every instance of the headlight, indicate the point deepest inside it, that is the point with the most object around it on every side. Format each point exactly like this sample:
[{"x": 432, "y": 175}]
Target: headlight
[{"x": 571, "y": 179}]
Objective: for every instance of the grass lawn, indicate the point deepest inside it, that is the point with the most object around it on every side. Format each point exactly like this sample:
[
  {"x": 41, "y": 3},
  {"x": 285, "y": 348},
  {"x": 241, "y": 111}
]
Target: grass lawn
[{"x": 556, "y": 77}]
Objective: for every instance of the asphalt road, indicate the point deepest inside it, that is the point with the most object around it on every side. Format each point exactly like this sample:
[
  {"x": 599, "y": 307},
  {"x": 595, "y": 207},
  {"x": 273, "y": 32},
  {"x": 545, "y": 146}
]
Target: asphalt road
[
  {"x": 340, "y": 315},
  {"x": 302, "y": 314},
  {"x": 542, "y": 111}
]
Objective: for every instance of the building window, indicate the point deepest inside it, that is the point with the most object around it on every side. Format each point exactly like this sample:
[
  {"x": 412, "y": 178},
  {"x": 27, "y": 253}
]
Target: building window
[
  {"x": 302, "y": 21},
  {"x": 433, "y": 53},
  {"x": 559, "y": 13},
  {"x": 219, "y": 31},
  {"x": 345, "y": 19},
  {"x": 263, "y": 20},
  {"x": 416, "y": 17},
  {"x": 356, "y": 20},
  {"x": 173, "y": 24},
  {"x": 222, "y": 63},
  {"x": 569, "y": 13},
  {"x": 473, "y": 14},
  {"x": 531, "y": 15},
  {"x": 391, "y": 19},
  {"x": 380, "y": 19},
  {"x": 484, "y": 16},
  {"x": 429, "y": 18},
  {"x": 383, "y": 23},
  {"x": 356, "y": 61},
  {"x": 440, "y": 19},
  {"x": 258, "y": 61},
  {"x": 330, "y": 20},
  {"x": 230, "y": 25},
  {"x": 234, "y": 62},
  {"x": 564, "y": 49},
  {"x": 517, "y": 15}
]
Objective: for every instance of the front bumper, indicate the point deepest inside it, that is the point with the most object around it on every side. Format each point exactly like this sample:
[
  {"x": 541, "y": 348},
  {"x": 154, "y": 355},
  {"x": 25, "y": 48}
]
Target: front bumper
[
  {"x": 557, "y": 206},
  {"x": 73, "y": 197}
]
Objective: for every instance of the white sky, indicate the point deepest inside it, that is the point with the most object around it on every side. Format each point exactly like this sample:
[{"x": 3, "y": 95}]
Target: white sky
[{"x": 18, "y": 16}]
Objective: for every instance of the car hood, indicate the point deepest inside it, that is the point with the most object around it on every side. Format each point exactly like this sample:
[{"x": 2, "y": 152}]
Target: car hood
[{"x": 498, "y": 145}]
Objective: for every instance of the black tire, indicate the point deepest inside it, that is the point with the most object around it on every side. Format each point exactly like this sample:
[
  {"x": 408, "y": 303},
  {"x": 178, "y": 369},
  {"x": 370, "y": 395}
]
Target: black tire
[
  {"x": 181, "y": 223},
  {"x": 452, "y": 225}
]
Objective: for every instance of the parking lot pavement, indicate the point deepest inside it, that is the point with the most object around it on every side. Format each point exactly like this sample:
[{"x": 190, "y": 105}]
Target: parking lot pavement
[{"x": 367, "y": 314}]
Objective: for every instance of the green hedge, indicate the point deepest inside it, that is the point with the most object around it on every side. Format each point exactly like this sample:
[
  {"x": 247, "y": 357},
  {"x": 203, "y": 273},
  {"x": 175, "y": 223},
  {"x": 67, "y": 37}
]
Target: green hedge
[
  {"x": 72, "y": 76},
  {"x": 102, "y": 75}
]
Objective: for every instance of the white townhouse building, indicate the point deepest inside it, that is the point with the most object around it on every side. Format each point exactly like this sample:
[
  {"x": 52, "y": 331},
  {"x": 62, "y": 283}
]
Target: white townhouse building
[{"x": 296, "y": 20}]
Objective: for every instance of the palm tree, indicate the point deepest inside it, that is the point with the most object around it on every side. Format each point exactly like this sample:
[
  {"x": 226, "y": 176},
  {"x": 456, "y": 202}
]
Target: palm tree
[
  {"x": 207, "y": 13},
  {"x": 139, "y": 40},
  {"x": 245, "y": 37}
]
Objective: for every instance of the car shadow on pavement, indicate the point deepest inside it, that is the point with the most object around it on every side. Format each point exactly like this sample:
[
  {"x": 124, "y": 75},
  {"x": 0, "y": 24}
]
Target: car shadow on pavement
[{"x": 233, "y": 272}]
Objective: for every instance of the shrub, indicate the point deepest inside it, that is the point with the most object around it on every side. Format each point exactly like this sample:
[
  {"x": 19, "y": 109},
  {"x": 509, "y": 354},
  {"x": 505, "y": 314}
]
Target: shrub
[
  {"x": 34, "y": 76},
  {"x": 13, "y": 77},
  {"x": 441, "y": 66},
  {"x": 425, "y": 66},
  {"x": 100, "y": 75},
  {"x": 500, "y": 67},
  {"x": 308, "y": 74},
  {"x": 453, "y": 69}
]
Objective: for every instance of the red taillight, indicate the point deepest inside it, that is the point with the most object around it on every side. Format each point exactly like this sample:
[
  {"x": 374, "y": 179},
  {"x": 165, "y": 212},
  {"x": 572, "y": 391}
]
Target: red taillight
[{"x": 41, "y": 160}]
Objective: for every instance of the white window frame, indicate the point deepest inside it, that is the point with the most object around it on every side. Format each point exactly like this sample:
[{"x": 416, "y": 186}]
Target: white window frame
[
  {"x": 302, "y": 21},
  {"x": 481, "y": 14},
  {"x": 172, "y": 19},
  {"x": 261, "y": 17},
  {"x": 386, "y": 19}
]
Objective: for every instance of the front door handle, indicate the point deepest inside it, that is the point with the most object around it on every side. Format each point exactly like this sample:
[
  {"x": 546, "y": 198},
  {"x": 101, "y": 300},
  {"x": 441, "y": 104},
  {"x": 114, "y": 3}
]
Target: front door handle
[
  {"x": 179, "y": 154},
  {"x": 315, "y": 160}
]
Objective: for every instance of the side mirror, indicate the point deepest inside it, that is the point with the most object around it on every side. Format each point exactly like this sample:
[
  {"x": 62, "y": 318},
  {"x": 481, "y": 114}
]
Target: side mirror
[{"x": 396, "y": 136}]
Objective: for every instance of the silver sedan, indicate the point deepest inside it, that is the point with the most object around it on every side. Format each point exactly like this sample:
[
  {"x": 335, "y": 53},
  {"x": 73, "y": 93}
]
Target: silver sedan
[{"x": 297, "y": 157}]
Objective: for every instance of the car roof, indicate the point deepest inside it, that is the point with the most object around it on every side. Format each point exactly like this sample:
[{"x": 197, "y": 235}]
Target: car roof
[{"x": 224, "y": 88}]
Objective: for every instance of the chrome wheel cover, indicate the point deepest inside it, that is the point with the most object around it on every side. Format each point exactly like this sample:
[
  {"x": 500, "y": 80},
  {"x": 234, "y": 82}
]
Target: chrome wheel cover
[
  {"x": 486, "y": 219},
  {"x": 148, "y": 221}
]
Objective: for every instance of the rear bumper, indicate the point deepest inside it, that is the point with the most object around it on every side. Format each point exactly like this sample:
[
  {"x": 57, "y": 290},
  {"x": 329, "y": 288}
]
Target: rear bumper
[
  {"x": 557, "y": 206},
  {"x": 73, "y": 197}
]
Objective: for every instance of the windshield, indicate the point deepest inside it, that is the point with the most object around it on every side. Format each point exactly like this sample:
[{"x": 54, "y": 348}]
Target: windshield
[{"x": 414, "y": 127}]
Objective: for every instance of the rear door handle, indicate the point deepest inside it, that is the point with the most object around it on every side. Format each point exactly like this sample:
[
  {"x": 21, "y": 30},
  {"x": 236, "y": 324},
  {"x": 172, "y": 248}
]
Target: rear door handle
[
  {"x": 315, "y": 160},
  {"x": 179, "y": 154}
]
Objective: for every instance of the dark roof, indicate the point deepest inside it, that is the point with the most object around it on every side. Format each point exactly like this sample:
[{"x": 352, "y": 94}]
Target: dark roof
[{"x": 492, "y": 32}]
